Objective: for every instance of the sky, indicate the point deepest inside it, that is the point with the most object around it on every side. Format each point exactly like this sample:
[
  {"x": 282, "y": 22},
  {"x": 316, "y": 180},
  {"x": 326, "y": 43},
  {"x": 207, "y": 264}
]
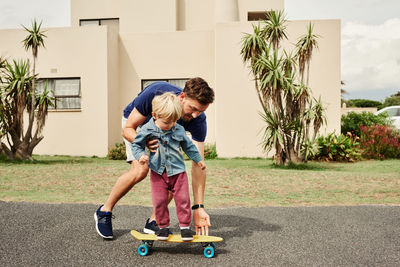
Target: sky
[
  {"x": 370, "y": 29},
  {"x": 370, "y": 36}
]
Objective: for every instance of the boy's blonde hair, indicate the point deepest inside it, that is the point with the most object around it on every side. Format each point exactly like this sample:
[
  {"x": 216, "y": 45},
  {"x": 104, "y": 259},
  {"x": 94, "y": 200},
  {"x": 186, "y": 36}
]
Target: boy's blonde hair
[{"x": 167, "y": 106}]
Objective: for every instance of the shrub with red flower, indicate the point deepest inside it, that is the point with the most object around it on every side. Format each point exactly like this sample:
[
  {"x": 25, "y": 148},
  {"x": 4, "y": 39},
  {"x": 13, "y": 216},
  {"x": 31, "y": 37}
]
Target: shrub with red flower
[{"x": 379, "y": 141}]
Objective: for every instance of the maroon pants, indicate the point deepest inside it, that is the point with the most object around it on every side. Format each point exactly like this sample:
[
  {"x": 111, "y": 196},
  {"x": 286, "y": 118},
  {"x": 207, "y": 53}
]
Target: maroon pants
[{"x": 178, "y": 185}]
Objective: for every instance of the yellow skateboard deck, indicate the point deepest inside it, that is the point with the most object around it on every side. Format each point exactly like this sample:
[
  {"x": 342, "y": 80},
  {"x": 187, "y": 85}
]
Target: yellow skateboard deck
[
  {"x": 148, "y": 240},
  {"x": 176, "y": 238}
]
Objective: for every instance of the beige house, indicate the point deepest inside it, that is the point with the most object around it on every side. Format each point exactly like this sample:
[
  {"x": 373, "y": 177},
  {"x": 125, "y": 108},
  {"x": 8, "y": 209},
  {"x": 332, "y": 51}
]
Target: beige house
[{"x": 114, "y": 47}]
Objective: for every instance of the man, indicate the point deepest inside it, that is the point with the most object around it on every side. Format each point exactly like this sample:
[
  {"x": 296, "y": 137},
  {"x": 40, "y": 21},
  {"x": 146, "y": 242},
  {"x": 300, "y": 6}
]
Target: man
[{"x": 195, "y": 99}]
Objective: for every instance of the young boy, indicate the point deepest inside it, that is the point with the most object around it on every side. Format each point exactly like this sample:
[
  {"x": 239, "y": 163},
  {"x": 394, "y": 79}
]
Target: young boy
[{"x": 166, "y": 164}]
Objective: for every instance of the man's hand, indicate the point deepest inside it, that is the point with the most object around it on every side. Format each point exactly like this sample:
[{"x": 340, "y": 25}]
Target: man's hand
[
  {"x": 152, "y": 145},
  {"x": 201, "y": 221},
  {"x": 144, "y": 160}
]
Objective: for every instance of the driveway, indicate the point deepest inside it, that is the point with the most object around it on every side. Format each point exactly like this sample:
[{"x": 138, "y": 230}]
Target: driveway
[{"x": 34, "y": 234}]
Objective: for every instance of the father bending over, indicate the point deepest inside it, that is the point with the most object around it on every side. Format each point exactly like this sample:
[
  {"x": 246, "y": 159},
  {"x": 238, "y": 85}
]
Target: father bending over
[{"x": 195, "y": 99}]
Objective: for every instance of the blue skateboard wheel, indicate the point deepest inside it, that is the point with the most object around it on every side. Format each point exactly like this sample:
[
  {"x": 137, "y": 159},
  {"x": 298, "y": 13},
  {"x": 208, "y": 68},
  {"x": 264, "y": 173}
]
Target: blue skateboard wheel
[
  {"x": 143, "y": 250},
  {"x": 209, "y": 252}
]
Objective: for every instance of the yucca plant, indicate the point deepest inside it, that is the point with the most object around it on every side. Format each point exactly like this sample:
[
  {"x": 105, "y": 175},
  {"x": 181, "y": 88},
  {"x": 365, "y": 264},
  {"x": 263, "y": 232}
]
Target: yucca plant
[
  {"x": 3, "y": 124},
  {"x": 253, "y": 44},
  {"x": 3, "y": 62},
  {"x": 274, "y": 29},
  {"x": 305, "y": 46},
  {"x": 289, "y": 111},
  {"x": 17, "y": 96},
  {"x": 34, "y": 40}
]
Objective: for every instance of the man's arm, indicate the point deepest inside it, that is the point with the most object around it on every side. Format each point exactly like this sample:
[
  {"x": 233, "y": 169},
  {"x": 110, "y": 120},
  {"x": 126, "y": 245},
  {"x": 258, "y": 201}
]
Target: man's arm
[
  {"x": 201, "y": 219},
  {"x": 135, "y": 119},
  {"x": 139, "y": 144},
  {"x": 129, "y": 131}
]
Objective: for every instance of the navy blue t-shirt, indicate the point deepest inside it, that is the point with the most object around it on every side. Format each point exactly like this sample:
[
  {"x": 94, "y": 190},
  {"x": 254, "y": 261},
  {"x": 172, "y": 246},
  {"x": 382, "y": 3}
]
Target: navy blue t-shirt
[{"x": 196, "y": 127}]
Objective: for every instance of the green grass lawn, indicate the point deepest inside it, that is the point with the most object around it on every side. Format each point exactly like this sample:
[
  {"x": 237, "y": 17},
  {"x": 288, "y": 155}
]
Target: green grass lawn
[{"x": 230, "y": 182}]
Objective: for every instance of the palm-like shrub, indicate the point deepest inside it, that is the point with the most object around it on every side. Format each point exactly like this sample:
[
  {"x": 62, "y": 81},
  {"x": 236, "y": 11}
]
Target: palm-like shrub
[
  {"x": 292, "y": 116},
  {"x": 18, "y": 96},
  {"x": 34, "y": 40}
]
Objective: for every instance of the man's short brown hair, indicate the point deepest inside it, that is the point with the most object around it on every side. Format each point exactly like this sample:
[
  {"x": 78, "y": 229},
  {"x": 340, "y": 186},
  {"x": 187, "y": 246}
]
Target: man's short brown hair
[{"x": 197, "y": 88}]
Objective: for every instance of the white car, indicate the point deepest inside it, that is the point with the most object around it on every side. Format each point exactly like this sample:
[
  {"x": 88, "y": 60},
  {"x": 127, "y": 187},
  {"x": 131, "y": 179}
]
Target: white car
[{"x": 394, "y": 114}]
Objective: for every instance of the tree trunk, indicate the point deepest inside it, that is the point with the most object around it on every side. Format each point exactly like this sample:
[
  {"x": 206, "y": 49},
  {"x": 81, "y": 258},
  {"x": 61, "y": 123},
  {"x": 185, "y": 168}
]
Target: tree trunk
[
  {"x": 308, "y": 72},
  {"x": 278, "y": 154},
  {"x": 292, "y": 155},
  {"x": 22, "y": 152},
  {"x": 7, "y": 151},
  {"x": 28, "y": 134}
]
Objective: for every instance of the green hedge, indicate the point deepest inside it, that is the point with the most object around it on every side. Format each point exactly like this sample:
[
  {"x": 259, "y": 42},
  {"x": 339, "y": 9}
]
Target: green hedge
[
  {"x": 363, "y": 103},
  {"x": 351, "y": 122},
  {"x": 118, "y": 152}
]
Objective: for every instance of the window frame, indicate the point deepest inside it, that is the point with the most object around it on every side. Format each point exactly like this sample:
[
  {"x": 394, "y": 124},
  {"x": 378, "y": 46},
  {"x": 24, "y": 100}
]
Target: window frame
[
  {"x": 142, "y": 81},
  {"x": 98, "y": 20},
  {"x": 79, "y": 96}
]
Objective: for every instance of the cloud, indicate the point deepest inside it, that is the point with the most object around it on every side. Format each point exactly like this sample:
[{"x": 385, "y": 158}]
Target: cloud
[{"x": 371, "y": 56}]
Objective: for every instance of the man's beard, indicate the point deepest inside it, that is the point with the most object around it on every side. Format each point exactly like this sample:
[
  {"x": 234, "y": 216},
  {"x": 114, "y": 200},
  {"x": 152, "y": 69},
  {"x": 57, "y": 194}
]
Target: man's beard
[{"x": 187, "y": 117}]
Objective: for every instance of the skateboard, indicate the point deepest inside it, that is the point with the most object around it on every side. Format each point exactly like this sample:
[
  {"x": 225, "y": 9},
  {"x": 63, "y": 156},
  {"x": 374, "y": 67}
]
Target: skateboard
[{"x": 148, "y": 240}]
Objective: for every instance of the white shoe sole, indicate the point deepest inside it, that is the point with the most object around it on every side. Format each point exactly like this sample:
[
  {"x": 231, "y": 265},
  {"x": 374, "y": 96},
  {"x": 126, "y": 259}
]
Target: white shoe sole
[
  {"x": 162, "y": 238},
  {"x": 187, "y": 238},
  {"x": 97, "y": 228},
  {"x": 148, "y": 231}
]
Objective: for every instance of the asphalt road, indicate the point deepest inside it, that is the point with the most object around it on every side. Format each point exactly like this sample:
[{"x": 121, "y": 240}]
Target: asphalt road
[{"x": 35, "y": 234}]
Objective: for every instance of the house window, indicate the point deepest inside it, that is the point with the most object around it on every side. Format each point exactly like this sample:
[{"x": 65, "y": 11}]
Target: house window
[
  {"x": 177, "y": 82},
  {"x": 255, "y": 16},
  {"x": 66, "y": 91},
  {"x": 110, "y": 22}
]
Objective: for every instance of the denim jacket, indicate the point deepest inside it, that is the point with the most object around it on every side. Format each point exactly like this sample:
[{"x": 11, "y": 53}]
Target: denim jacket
[{"x": 168, "y": 155}]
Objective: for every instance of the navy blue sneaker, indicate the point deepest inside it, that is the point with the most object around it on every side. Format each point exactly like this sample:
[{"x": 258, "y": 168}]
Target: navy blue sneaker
[
  {"x": 151, "y": 227},
  {"x": 103, "y": 223},
  {"x": 163, "y": 233},
  {"x": 187, "y": 234}
]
